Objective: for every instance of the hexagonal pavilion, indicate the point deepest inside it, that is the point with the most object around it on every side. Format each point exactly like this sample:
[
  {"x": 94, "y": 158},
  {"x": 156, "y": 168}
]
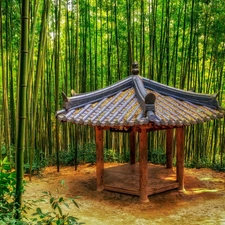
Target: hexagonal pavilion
[{"x": 139, "y": 105}]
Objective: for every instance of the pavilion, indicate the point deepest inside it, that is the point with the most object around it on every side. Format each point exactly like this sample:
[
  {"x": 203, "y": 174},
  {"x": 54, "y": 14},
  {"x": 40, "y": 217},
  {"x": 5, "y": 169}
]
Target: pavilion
[{"x": 139, "y": 105}]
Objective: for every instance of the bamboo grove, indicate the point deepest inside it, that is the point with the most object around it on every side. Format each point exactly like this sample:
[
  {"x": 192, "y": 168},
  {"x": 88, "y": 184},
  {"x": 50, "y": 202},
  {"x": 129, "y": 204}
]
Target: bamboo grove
[{"x": 86, "y": 45}]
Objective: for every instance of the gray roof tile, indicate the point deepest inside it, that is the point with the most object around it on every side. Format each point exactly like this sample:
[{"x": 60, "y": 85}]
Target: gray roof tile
[{"x": 125, "y": 104}]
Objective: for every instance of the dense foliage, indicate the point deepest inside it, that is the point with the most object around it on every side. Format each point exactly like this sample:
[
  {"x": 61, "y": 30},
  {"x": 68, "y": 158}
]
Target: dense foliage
[
  {"x": 8, "y": 208},
  {"x": 86, "y": 45}
]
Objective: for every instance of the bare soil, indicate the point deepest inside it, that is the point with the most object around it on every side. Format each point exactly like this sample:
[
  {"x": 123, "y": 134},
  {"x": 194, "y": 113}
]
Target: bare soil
[{"x": 203, "y": 202}]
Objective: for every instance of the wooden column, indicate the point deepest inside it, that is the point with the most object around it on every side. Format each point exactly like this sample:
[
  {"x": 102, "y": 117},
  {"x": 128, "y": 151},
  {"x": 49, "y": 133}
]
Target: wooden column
[
  {"x": 180, "y": 157},
  {"x": 132, "y": 147},
  {"x": 99, "y": 157},
  {"x": 143, "y": 165},
  {"x": 169, "y": 148}
]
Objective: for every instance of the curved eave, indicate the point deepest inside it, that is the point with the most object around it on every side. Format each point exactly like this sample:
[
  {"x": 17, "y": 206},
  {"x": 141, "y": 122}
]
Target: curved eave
[
  {"x": 170, "y": 111},
  {"x": 81, "y": 100},
  {"x": 192, "y": 97}
]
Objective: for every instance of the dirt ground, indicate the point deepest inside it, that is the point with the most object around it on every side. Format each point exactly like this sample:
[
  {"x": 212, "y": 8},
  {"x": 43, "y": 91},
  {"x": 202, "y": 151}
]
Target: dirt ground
[{"x": 203, "y": 202}]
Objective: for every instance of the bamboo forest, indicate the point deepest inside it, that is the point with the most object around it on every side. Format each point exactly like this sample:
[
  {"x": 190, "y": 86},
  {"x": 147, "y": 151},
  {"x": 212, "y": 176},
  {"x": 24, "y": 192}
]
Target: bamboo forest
[
  {"x": 50, "y": 49},
  {"x": 84, "y": 46}
]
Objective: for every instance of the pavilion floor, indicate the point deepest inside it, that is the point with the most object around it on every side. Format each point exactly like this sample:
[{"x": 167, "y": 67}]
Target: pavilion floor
[{"x": 125, "y": 179}]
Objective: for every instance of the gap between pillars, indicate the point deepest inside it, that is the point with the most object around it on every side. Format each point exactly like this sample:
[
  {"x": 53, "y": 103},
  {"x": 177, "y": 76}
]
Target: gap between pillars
[
  {"x": 169, "y": 148},
  {"x": 132, "y": 147}
]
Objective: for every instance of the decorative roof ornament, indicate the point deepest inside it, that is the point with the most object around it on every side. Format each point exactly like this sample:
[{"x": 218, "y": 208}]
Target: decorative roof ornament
[{"x": 135, "y": 69}]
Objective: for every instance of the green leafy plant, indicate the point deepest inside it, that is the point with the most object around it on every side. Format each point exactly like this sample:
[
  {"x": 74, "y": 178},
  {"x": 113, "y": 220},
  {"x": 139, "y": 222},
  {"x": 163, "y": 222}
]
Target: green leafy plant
[
  {"x": 87, "y": 153},
  {"x": 7, "y": 191},
  {"x": 38, "y": 164},
  {"x": 56, "y": 215},
  {"x": 8, "y": 206},
  {"x": 111, "y": 155},
  {"x": 157, "y": 156}
]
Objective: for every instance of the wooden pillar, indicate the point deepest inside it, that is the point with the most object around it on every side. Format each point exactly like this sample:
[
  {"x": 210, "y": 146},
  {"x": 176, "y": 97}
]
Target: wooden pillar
[
  {"x": 180, "y": 157},
  {"x": 143, "y": 165},
  {"x": 99, "y": 157},
  {"x": 169, "y": 148},
  {"x": 132, "y": 147}
]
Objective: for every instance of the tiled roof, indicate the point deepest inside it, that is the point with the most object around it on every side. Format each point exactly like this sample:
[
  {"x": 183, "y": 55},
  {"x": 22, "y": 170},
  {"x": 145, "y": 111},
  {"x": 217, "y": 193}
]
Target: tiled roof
[{"x": 139, "y": 101}]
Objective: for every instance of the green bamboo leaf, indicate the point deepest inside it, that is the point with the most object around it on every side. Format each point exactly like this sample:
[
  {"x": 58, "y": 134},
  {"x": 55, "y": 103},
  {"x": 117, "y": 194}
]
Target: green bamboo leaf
[
  {"x": 51, "y": 220},
  {"x": 38, "y": 210},
  {"x": 5, "y": 159},
  {"x": 51, "y": 200},
  {"x": 58, "y": 222},
  {"x": 47, "y": 214},
  {"x": 61, "y": 199},
  {"x": 54, "y": 205},
  {"x": 66, "y": 204},
  {"x": 60, "y": 210},
  {"x": 75, "y": 203}
]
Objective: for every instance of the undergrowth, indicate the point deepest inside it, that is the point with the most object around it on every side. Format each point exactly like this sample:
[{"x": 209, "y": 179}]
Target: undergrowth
[
  {"x": 8, "y": 208},
  {"x": 205, "y": 163},
  {"x": 86, "y": 153},
  {"x": 157, "y": 156}
]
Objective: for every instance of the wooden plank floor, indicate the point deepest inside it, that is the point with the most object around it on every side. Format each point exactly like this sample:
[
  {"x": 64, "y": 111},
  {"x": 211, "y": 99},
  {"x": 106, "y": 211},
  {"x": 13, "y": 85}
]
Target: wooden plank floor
[{"x": 125, "y": 179}]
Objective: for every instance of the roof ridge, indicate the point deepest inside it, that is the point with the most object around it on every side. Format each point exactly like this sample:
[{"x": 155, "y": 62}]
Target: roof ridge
[
  {"x": 146, "y": 100},
  {"x": 80, "y": 100}
]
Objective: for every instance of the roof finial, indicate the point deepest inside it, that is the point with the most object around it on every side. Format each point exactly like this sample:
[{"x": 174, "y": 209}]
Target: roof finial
[
  {"x": 65, "y": 99},
  {"x": 135, "y": 70}
]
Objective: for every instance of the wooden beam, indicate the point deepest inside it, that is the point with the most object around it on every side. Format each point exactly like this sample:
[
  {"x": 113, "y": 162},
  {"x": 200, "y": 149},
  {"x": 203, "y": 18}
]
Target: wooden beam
[
  {"x": 132, "y": 147},
  {"x": 99, "y": 157},
  {"x": 180, "y": 157},
  {"x": 169, "y": 148},
  {"x": 143, "y": 165},
  {"x": 121, "y": 130}
]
